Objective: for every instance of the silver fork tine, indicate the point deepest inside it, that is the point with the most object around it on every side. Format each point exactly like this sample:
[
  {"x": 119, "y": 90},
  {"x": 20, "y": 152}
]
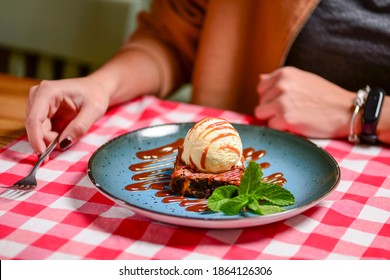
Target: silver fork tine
[
  {"x": 13, "y": 193},
  {"x": 29, "y": 182}
]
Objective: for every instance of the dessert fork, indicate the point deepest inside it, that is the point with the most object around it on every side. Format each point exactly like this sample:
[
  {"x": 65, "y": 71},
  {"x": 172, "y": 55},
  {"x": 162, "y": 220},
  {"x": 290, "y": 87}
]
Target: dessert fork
[{"x": 29, "y": 182}]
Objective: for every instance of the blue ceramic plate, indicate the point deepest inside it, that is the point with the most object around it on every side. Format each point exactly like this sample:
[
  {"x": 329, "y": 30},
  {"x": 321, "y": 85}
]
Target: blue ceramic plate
[{"x": 120, "y": 171}]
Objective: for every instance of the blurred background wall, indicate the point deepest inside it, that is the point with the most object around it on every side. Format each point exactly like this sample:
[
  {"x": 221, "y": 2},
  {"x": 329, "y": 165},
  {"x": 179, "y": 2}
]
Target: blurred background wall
[{"x": 52, "y": 39}]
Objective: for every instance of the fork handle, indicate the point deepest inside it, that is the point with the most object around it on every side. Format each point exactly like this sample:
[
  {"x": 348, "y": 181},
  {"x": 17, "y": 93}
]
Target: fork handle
[{"x": 43, "y": 156}]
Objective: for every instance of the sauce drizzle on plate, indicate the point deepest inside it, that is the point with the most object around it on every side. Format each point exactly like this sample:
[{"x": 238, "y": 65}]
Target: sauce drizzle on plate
[{"x": 154, "y": 171}]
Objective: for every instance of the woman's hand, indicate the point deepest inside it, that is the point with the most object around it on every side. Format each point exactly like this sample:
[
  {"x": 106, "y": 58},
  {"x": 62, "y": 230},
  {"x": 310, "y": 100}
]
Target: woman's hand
[
  {"x": 68, "y": 107},
  {"x": 71, "y": 106},
  {"x": 304, "y": 103}
]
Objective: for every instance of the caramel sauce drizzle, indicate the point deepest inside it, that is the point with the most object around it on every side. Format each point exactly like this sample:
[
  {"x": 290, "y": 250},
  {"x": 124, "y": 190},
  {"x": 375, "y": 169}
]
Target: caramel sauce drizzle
[
  {"x": 203, "y": 158},
  {"x": 217, "y": 126},
  {"x": 153, "y": 174},
  {"x": 161, "y": 151},
  {"x": 276, "y": 178},
  {"x": 151, "y": 165}
]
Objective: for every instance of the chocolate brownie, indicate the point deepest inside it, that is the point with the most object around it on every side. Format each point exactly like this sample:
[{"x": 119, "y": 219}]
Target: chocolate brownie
[{"x": 191, "y": 183}]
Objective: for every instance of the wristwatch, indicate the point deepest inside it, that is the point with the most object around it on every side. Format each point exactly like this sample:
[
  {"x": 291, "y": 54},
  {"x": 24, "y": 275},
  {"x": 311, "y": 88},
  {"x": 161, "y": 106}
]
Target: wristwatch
[{"x": 371, "y": 112}]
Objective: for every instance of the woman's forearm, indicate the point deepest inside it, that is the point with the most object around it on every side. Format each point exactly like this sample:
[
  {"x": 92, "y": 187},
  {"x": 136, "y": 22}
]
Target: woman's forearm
[{"x": 128, "y": 74}]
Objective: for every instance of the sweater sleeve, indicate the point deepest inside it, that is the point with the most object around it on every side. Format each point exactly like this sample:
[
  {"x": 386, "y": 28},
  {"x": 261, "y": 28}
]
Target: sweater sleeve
[{"x": 169, "y": 35}]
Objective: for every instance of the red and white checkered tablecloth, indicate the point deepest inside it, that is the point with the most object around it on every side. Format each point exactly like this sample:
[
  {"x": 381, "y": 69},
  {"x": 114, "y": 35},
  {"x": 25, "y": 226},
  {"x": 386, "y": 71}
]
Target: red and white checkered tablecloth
[{"x": 67, "y": 218}]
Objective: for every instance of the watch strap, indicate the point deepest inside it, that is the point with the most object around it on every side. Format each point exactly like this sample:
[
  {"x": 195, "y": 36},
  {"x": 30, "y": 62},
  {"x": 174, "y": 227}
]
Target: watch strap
[{"x": 371, "y": 113}]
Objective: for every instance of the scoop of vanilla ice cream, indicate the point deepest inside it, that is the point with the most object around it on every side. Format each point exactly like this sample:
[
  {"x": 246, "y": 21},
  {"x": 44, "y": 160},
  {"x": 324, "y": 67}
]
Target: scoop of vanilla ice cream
[{"x": 212, "y": 145}]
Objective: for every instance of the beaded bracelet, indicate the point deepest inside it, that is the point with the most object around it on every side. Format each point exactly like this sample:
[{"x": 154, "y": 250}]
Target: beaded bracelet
[{"x": 358, "y": 102}]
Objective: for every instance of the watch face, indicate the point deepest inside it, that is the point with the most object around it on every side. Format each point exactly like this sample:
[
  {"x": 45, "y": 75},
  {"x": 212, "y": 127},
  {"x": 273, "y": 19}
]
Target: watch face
[{"x": 373, "y": 105}]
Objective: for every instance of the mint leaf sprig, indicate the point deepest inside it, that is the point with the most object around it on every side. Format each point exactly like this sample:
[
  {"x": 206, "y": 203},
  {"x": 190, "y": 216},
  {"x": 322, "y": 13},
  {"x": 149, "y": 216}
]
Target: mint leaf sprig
[{"x": 258, "y": 197}]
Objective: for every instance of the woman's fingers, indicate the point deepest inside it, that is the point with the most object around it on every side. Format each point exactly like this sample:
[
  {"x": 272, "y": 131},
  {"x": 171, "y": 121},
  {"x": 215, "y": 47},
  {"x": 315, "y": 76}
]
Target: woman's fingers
[
  {"x": 268, "y": 86},
  {"x": 80, "y": 125},
  {"x": 68, "y": 107},
  {"x": 271, "y": 114},
  {"x": 303, "y": 103},
  {"x": 265, "y": 111},
  {"x": 49, "y": 109},
  {"x": 37, "y": 121}
]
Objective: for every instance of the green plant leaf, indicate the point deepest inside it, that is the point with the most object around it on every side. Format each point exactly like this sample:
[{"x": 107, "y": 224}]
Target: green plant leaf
[
  {"x": 257, "y": 208},
  {"x": 234, "y": 205},
  {"x": 258, "y": 197},
  {"x": 220, "y": 196},
  {"x": 250, "y": 179},
  {"x": 274, "y": 194}
]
